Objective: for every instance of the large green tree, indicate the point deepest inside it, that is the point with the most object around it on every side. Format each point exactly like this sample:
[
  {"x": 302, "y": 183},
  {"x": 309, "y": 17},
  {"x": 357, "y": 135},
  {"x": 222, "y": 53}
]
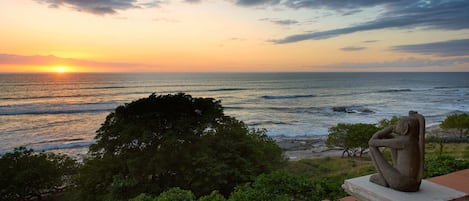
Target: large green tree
[
  {"x": 457, "y": 121},
  {"x": 352, "y": 137},
  {"x": 25, "y": 175},
  {"x": 159, "y": 142}
]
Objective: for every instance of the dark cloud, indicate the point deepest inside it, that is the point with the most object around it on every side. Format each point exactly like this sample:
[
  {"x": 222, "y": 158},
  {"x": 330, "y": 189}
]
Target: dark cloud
[
  {"x": 445, "y": 48},
  {"x": 99, "y": 7},
  {"x": 256, "y": 2},
  {"x": 352, "y": 48},
  {"x": 436, "y": 14}
]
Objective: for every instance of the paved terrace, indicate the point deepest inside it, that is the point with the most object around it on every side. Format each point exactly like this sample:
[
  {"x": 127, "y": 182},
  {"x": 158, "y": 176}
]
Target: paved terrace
[{"x": 457, "y": 180}]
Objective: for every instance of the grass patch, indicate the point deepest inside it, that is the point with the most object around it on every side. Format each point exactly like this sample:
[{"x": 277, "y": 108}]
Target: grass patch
[
  {"x": 345, "y": 168},
  {"x": 330, "y": 167}
]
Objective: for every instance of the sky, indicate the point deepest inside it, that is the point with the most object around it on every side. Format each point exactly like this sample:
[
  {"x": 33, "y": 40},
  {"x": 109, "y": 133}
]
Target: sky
[{"x": 234, "y": 35}]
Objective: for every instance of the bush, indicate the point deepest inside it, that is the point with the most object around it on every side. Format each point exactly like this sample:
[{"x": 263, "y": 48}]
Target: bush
[
  {"x": 156, "y": 143},
  {"x": 26, "y": 175},
  {"x": 443, "y": 164},
  {"x": 176, "y": 194},
  {"x": 214, "y": 196},
  {"x": 281, "y": 186}
]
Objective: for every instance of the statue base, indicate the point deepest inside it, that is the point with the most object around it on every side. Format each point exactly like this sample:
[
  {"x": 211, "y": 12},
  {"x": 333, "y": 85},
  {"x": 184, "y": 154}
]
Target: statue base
[{"x": 362, "y": 189}]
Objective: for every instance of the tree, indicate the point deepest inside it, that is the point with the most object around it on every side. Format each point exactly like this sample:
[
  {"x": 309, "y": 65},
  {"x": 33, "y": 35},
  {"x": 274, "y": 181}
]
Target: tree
[
  {"x": 387, "y": 122},
  {"x": 153, "y": 144},
  {"x": 457, "y": 121},
  {"x": 352, "y": 137},
  {"x": 26, "y": 175}
]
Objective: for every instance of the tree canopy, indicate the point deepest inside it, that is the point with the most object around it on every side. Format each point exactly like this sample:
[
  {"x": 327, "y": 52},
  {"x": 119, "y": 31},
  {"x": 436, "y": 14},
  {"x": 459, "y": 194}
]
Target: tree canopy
[
  {"x": 153, "y": 144},
  {"x": 352, "y": 137},
  {"x": 457, "y": 121},
  {"x": 26, "y": 175}
]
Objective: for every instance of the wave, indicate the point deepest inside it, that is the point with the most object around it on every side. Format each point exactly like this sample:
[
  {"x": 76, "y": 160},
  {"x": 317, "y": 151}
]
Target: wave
[
  {"x": 57, "y": 140},
  {"x": 268, "y": 123},
  {"x": 41, "y": 109},
  {"x": 55, "y": 112},
  {"x": 288, "y": 97},
  {"x": 394, "y": 90},
  {"x": 76, "y": 95},
  {"x": 226, "y": 89},
  {"x": 51, "y": 147}
]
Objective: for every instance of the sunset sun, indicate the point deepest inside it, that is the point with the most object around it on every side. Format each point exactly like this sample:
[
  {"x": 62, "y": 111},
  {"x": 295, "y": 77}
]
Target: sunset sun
[{"x": 60, "y": 69}]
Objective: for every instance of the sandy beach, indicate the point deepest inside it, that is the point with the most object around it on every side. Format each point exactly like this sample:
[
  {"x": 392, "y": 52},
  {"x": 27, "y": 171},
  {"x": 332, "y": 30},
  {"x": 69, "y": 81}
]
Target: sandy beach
[{"x": 305, "y": 147}]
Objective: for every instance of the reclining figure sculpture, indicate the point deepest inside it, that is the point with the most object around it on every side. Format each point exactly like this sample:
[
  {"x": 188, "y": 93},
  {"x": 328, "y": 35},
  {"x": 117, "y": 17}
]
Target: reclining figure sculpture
[{"x": 406, "y": 141}]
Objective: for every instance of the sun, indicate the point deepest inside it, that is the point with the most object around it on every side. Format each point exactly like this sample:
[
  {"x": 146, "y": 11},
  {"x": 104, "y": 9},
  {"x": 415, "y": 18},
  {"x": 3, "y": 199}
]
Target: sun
[{"x": 60, "y": 69}]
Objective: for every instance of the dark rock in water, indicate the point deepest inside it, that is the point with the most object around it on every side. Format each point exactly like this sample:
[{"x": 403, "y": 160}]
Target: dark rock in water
[
  {"x": 351, "y": 109},
  {"x": 339, "y": 109}
]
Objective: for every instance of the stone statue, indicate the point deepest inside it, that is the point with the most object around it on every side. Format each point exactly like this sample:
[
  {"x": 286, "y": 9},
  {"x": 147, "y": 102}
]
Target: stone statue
[{"x": 406, "y": 141}]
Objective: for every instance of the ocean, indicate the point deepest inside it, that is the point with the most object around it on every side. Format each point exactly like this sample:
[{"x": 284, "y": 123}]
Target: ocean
[{"x": 61, "y": 112}]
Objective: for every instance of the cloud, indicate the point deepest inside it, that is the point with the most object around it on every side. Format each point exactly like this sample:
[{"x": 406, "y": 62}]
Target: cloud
[
  {"x": 352, "y": 48},
  {"x": 444, "y": 48},
  {"x": 370, "y": 41},
  {"x": 192, "y": 1},
  {"x": 407, "y": 63},
  {"x": 256, "y": 2},
  {"x": 100, "y": 7},
  {"x": 280, "y": 22},
  {"x": 436, "y": 14},
  {"x": 39, "y": 60},
  {"x": 334, "y": 4}
]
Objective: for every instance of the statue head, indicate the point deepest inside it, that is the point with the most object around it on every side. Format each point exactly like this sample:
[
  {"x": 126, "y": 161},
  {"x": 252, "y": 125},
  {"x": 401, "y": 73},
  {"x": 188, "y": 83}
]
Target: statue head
[{"x": 407, "y": 126}]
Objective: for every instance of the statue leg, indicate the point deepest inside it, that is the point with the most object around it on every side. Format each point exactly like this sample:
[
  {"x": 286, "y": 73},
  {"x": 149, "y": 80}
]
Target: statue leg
[
  {"x": 388, "y": 175},
  {"x": 377, "y": 178}
]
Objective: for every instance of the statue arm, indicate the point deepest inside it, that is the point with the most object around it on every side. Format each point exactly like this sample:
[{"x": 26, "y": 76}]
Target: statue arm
[
  {"x": 395, "y": 143},
  {"x": 382, "y": 133}
]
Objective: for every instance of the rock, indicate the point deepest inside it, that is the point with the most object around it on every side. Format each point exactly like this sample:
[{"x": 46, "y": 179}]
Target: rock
[{"x": 339, "y": 109}]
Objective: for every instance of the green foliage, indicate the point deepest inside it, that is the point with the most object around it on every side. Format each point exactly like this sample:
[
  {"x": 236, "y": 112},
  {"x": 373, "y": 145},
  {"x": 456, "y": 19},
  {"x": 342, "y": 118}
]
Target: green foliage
[
  {"x": 281, "y": 186},
  {"x": 176, "y": 194},
  {"x": 443, "y": 164},
  {"x": 352, "y": 137},
  {"x": 387, "y": 122},
  {"x": 214, "y": 196},
  {"x": 156, "y": 143},
  {"x": 342, "y": 168},
  {"x": 457, "y": 121},
  {"x": 25, "y": 174},
  {"x": 143, "y": 197}
]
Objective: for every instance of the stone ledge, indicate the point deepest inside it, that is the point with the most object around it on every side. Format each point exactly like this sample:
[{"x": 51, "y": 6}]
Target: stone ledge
[{"x": 364, "y": 190}]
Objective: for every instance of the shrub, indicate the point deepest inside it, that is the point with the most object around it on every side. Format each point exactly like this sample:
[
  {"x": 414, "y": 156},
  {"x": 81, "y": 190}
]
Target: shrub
[
  {"x": 26, "y": 175},
  {"x": 443, "y": 164},
  {"x": 281, "y": 186}
]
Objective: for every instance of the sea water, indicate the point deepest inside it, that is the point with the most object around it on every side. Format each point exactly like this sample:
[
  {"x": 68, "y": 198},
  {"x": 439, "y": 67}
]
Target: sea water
[{"x": 61, "y": 112}]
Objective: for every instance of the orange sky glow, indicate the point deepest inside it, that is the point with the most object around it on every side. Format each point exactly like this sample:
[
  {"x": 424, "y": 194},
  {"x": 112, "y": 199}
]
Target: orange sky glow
[{"x": 233, "y": 36}]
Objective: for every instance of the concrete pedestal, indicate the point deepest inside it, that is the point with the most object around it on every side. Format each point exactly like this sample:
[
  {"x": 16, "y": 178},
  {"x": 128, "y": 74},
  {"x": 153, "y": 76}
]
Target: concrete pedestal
[{"x": 362, "y": 189}]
